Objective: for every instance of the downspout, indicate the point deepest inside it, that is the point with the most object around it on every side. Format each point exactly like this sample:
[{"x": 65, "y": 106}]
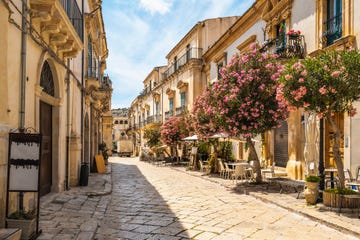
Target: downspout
[
  {"x": 67, "y": 79},
  {"x": 23, "y": 66},
  {"x": 82, "y": 86}
]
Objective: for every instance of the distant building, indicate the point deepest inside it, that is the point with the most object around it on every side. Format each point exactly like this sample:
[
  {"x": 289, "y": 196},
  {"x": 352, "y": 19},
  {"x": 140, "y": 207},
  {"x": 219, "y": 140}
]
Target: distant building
[{"x": 120, "y": 126}]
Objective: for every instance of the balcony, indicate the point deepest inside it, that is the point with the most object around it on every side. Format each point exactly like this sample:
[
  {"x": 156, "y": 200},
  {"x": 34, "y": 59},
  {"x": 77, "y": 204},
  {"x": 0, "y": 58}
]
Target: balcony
[
  {"x": 180, "y": 111},
  {"x": 192, "y": 53},
  {"x": 287, "y": 47},
  {"x": 150, "y": 119},
  {"x": 60, "y": 28},
  {"x": 74, "y": 14},
  {"x": 333, "y": 31},
  {"x": 169, "y": 114}
]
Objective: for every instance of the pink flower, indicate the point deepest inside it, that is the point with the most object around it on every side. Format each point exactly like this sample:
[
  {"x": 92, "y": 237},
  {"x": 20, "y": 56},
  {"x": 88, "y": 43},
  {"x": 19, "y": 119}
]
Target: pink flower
[
  {"x": 335, "y": 73},
  {"x": 301, "y": 80},
  {"x": 288, "y": 77},
  {"x": 306, "y": 104},
  {"x": 322, "y": 90},
  {"x": 304, "y": 73}
]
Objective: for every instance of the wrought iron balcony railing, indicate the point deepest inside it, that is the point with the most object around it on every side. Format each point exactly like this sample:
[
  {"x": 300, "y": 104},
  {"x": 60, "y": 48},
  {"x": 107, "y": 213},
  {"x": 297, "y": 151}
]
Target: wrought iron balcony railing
[
  {"x": 180, "y": 111},
  {"x": 169, "y": 114},
  {"x": 192, "y": 53},
  {"x": 333, "y": 28},
  {"x": 286, "y": 47},
  {"x": 73, "y": 11}
]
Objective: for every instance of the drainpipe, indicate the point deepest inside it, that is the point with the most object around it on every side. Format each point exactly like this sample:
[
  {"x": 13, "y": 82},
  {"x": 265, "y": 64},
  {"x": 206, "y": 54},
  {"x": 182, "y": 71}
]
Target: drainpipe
[
  {"x": 67, "y": 79},
  {"x": 23, "y": 82},
  {"x": 23, "y": 66},
  {"x": 82, "y": 86}
]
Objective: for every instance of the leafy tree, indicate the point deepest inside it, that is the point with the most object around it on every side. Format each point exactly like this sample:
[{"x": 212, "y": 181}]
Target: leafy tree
[
  {"x": 173, "y": 130},
  {"x": 245, "y": 97},
  {"x": 324, "y": 85},
  {"x": 152, "y": 136}
]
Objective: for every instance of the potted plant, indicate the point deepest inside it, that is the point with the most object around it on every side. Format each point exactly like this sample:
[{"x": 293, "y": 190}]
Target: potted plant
[
  {"x": 293, "y": 34},
  {"x": 333, "y": 197},
  {"x": 311, "y": 192},
  {"x": 25, "y": 220}
]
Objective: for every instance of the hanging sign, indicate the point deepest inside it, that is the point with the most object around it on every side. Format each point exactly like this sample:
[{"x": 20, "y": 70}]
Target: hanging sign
[{"x": 24, "y": 162}]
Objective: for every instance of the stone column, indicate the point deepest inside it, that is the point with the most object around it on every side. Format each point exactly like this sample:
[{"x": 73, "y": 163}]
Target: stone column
[{"x": 294, "y": 166}]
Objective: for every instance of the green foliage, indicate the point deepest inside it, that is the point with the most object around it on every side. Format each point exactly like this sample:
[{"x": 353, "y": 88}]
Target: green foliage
[
  {"x": 226, "y": 150},
  {"x": 312, "y": 178},
  {"x": 342, "y": 191},
  {"x": 153, "y": 137},
  {"x": 104, "y": 150},
  {"x": 23, "y": 215},
  {"x": 203, "y": 150}
]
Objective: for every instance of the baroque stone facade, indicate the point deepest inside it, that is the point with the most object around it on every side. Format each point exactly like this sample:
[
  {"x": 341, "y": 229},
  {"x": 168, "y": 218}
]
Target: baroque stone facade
[{"x": 52, "y": 82}]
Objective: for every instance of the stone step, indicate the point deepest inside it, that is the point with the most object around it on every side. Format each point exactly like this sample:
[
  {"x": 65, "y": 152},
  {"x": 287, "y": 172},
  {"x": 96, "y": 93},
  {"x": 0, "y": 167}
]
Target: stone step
[{"x": 10, "y": 233}]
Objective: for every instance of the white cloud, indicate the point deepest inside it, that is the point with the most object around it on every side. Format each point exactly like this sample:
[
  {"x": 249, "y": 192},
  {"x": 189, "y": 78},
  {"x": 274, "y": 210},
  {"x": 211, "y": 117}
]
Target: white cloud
[{"x": 154, "y": 6}]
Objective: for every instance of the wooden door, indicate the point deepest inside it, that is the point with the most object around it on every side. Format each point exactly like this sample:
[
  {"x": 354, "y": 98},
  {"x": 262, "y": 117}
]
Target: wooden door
[
  {"x": 329, "y": 140},
  {"x": 46, "y": 148},
  {"x": 281, "y": 154}
]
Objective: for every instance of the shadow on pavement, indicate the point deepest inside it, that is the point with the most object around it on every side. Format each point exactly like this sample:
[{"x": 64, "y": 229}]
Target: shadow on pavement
[{"x": 137, "y": 210}]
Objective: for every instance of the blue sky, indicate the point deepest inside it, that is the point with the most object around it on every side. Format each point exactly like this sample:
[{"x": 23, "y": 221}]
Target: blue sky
[{"x": 140, "y": 33}]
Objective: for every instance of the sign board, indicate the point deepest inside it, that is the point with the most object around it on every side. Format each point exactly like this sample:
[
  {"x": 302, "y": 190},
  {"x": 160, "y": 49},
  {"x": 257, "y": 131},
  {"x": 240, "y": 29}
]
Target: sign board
[
  {"x": 24, "y": 162},
  {"x": 100, "y": 163}
]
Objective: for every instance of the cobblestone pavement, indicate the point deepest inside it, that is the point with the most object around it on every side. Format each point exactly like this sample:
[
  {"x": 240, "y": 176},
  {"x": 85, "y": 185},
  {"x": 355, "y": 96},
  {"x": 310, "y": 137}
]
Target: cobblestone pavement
[{"x": 150, "y": 202}]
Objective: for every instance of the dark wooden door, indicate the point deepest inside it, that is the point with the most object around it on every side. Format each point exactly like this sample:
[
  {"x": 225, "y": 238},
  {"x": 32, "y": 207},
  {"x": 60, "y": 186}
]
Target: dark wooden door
[
  {"x": 46, "y": 148},
  {"x": 281, "y": 155}
]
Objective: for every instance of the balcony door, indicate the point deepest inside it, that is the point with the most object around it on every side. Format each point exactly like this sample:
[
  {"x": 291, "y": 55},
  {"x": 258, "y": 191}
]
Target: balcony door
[{"x": 333, "y": 21}]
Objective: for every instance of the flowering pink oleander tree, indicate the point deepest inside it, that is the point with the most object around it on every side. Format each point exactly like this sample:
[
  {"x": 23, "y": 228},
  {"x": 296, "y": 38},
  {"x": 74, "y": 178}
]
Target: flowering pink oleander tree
[
  {"x": 246, "y": 97},
  {"x": 173, "y": 130},
  {"x": 325, "y": 85},
  {"x": 205, "y": 116}
]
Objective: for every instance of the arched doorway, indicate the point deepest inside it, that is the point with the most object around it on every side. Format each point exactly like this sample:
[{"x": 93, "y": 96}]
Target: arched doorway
[{"x": 47, "y": 83}]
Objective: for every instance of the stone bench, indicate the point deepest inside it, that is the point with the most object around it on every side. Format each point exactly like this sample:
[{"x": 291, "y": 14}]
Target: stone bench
[{"x": 289, "y": 185}]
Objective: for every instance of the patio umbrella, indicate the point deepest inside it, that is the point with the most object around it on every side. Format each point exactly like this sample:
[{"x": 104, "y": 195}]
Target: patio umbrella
[
  {"x": 219, "y": 135},
  {"x": 311, "y": 151},
  {"x": 190, "y": 138}
]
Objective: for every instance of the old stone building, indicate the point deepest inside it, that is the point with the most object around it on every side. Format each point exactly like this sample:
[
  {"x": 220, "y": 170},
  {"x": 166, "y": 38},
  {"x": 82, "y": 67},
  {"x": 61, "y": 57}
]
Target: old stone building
[{"x": 52, "y": 82}]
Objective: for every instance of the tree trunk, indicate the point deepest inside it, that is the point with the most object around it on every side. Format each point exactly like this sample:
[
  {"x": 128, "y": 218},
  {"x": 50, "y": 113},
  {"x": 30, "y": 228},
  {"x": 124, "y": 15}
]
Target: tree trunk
[
  {"x": 255, "y": 158},
  {"x": 336, "y": 152}
]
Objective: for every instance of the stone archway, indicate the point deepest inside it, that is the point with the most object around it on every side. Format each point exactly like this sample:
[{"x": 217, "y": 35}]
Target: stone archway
[{"x": 46, "y": 130}]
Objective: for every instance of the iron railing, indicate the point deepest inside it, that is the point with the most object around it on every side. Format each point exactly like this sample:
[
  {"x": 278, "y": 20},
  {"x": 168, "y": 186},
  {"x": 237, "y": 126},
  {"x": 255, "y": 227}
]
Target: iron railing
[
  {"x": 73, "y": 11},
  {"x": 286, "y": 47},
  {"x": 169, "y": 114},
  {"x": 180, "y": 111},
  {"x": 333, "y": 30},
  {"x": 192, "y": 53}
]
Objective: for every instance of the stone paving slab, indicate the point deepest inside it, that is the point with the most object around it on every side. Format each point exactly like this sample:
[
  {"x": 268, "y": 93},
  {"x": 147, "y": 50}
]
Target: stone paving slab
[
  {"x": 137, "y": 200},
  {"x": 347, "y": 221}
]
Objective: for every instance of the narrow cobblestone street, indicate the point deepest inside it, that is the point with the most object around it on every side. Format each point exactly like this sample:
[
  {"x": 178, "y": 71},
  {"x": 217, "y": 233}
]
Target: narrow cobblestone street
[{"x": 150, "y": 202}]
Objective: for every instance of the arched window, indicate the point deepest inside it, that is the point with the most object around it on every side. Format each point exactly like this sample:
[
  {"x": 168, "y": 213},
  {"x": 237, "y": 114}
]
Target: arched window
[
  {"x": 121, "y": 121},
  {"x": 116, "y": 122},
  {"x": 46, "y": 79},
  {"x": 125, "y": 122}
]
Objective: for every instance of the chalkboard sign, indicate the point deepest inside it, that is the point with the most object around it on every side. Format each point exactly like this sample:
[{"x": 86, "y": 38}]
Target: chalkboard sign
[{"x": 24, "y": 162}]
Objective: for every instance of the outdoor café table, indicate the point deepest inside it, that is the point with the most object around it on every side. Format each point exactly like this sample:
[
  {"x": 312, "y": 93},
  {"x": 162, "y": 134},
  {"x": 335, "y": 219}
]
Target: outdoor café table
[
  {"x": 331, "y": 171},
  {"x": 233, "y": 164},
  {"x": 356, "y": 184}
]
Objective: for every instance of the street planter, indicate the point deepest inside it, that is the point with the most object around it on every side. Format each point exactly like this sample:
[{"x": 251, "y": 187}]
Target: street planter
[
  {"x": 27, "y": 226},
  {"x": 331, "y": 198},
  {"x": 311, "y": 192}
]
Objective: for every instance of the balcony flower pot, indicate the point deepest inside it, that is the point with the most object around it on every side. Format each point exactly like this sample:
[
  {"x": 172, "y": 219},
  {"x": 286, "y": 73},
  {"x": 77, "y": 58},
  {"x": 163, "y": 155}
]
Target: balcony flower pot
[
  {"x": 311, "y": 192},
  {"x": 26, "y": 221}
]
